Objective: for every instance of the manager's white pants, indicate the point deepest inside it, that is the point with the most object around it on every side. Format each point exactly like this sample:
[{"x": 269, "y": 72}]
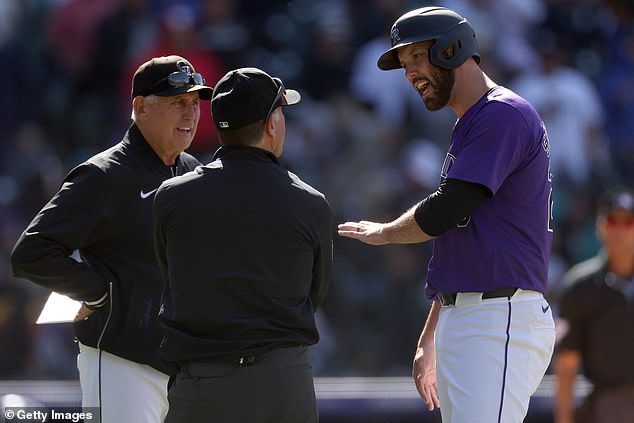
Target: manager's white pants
[
  {"x": 491, "y": 355},
  {"x": 126, "y": 391}
]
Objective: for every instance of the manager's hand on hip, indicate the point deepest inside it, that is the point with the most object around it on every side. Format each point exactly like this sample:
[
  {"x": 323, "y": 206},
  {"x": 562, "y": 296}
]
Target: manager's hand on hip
[
  {"x": 83, "y": 313},
  {"x": 368, "y": 232}
]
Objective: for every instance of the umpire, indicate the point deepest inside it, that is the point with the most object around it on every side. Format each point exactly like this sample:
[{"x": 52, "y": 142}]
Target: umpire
[
  {"x": 596, "y": 316},
  {"x": 246, "y": 247}
]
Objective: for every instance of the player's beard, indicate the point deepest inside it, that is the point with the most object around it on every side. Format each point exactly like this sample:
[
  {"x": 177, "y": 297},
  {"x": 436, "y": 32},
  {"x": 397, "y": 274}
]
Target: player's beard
[{"x": 441, "y": 84}]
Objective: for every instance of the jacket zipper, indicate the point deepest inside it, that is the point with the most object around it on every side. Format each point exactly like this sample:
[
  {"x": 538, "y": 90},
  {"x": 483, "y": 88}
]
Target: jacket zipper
[{"x": 105, "y": 326}]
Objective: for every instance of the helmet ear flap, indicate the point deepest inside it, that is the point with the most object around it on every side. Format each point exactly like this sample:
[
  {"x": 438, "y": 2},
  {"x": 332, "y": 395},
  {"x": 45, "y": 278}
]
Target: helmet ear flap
[{"x": 454, "y": 47}]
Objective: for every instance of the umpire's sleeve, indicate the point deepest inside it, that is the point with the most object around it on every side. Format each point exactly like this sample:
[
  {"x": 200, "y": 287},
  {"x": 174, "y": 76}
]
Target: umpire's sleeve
[{"x": 322, "y": 265}]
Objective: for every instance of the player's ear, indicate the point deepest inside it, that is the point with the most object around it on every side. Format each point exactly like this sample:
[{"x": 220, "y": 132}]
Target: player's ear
[{"x": 448, "y": 52}]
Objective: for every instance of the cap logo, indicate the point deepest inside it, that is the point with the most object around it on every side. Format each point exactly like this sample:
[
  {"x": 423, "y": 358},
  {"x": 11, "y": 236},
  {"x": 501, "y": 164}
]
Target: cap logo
[
  {"x": 224, "y": 124},
  {"x": 182, "y": 66},
  {"x": 395, "y": 36}
]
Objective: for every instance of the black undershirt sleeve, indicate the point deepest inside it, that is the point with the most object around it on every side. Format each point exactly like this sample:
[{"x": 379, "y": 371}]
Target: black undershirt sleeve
[{"x": 449, "y": 205}]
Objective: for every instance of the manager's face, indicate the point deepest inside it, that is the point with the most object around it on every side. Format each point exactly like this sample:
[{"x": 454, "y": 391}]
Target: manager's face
[{"x": 171, "y": 122}]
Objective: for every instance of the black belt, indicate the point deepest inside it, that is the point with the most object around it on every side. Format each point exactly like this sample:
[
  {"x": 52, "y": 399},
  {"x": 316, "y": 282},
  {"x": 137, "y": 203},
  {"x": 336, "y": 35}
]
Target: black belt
[
  {"x": 450, "y": 299},
  {"x": 232, "y": 360}
]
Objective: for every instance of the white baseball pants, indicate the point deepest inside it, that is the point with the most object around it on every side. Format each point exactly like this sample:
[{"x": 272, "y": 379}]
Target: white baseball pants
[
  {"x": 124, "y": 390},
  {"x": 491, "y": 355}
]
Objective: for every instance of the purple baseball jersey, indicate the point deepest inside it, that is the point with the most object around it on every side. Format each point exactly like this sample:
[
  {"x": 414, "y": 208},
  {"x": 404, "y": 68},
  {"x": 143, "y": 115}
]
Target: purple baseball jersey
[{"x": 501, "y": 143}]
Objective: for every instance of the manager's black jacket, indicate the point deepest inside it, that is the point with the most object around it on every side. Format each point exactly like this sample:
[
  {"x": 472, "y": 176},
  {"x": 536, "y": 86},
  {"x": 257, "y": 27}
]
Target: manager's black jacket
[
  {"x": 104, "y": 210},
  {"x": 246, "y": 247}
]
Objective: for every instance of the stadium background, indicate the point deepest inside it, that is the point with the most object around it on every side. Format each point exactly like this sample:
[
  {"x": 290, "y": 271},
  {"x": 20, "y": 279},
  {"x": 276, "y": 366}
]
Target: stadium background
[{"x": 360, "y": 135}]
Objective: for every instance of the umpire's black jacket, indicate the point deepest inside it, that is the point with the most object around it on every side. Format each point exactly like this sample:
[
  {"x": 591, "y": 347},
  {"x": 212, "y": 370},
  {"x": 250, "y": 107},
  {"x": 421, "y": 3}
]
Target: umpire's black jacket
[
  {"x": 104, "y": 210},
  {"x": 247, "y": 250}
]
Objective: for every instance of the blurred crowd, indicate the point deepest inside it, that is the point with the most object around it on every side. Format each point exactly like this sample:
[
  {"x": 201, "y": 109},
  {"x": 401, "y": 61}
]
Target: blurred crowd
[{"x": 360, "y": 135}]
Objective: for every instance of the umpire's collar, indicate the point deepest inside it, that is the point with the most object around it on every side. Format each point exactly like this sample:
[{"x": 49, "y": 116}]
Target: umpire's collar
[{"x": 244, "y": 152}]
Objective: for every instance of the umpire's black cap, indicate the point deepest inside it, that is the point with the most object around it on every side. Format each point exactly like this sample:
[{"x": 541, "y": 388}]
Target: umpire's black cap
[
  {"x": 246, "y": 95},
  {"x": 619, "y": 197},
  {"x": 168, "y": 76}
]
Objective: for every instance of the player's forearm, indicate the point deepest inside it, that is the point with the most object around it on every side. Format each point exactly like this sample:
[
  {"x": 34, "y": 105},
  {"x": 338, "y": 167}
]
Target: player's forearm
[
  {"x": 426, "y": 339},
  {"x": 404, "y": 230}
]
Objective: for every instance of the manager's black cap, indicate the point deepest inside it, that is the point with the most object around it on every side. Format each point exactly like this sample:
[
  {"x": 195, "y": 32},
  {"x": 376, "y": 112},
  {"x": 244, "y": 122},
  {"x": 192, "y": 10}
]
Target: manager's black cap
[
  {"x": 246, "y": 95},
  {"x": 153, "y": 78},
  {"x": 618, "y": 197}
]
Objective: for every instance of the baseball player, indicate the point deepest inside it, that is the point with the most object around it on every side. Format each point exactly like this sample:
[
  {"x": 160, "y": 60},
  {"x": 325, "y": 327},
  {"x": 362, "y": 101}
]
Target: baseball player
[{"x": 489, "y": 335}]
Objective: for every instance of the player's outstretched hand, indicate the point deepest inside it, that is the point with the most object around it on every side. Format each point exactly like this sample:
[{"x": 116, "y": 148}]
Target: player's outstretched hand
[
  {"x": 368, "y": 232},
  {"x": 424, "y": 374}
]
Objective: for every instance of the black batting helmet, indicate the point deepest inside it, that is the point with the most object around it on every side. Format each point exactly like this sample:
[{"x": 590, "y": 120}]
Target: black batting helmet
[{"x": 443, "y": 25}]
